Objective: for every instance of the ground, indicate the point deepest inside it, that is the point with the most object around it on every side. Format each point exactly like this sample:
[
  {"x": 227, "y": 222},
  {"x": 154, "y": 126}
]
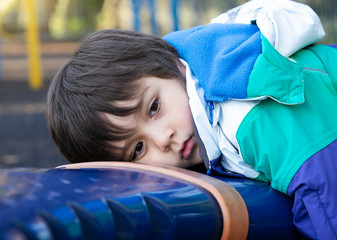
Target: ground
[{"x": 24, "y": 137}]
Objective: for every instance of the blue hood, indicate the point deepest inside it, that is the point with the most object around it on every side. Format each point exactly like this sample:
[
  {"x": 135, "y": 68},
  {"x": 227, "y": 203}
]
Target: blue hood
[{"x": 219, "y": 53}]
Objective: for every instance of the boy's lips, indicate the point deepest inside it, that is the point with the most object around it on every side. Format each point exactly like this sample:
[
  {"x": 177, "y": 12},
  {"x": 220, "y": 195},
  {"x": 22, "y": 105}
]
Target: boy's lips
[{"x": 187, "y": 148}]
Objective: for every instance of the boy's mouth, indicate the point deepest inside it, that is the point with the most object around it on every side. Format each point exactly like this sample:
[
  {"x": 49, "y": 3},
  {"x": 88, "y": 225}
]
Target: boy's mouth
[{"x": 187, "y": 148}]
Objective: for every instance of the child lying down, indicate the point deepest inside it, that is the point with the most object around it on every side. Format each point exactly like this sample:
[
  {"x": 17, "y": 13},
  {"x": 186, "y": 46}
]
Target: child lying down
[{"x": 248, "y": 94}]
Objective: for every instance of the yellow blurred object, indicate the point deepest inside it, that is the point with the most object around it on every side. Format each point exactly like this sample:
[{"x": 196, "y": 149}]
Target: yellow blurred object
[{"x": 33, "y": 43}]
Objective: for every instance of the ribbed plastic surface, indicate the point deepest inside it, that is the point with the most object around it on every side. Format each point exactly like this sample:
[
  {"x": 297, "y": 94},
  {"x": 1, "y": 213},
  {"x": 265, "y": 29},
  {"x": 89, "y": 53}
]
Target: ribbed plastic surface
[{"x": 104, "y": 204}]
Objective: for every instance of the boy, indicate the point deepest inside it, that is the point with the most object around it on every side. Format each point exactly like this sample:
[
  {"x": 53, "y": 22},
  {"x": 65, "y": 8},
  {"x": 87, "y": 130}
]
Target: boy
[{"x": 242, "y": 97}]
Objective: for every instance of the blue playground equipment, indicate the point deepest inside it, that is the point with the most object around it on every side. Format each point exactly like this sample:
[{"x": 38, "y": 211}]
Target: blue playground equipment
[
  {"x": 111, "y": 200},
  {"x": 152, "y": 8},
  {"x": 136, "y": 5}
]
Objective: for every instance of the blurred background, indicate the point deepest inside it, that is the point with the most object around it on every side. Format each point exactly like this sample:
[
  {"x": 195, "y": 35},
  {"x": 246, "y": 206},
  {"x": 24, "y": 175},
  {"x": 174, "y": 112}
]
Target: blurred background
[{"x": 38, "y": 36}]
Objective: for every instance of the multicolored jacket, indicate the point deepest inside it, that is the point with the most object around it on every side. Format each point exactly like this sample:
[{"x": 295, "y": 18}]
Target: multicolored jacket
[{"x": 294, "y": 116}]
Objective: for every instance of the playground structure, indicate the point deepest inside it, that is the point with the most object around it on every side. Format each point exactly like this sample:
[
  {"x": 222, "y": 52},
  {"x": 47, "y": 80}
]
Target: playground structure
[
  {"x": 118, "y": 200},
  {"x": 34, "y": 205},
  {"x": 32, "y": 35},
  {"x": 159, "y": 16},
  {"x": 33, "y": 48}
]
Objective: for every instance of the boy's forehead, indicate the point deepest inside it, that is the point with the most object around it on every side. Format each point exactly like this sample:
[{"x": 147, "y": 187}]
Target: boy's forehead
[
  {"x": 125, "y": 122},
  {"x": 129, "y": 103},
  {"x": 128, "y": 121}
]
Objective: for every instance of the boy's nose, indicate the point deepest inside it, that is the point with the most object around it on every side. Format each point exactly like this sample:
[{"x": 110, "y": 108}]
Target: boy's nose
[{"x": 163, "y": 138}]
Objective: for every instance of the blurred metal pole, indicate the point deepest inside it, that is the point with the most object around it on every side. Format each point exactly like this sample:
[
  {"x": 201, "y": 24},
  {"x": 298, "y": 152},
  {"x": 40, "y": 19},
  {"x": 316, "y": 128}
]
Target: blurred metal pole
[
  {"x": 136, "y": 8},
  {"x": 0, "y": 62},
  {"x": 174, "y": 6},
  {"x": 154, "y": 25},
  {"x": 32, "y": 38}
]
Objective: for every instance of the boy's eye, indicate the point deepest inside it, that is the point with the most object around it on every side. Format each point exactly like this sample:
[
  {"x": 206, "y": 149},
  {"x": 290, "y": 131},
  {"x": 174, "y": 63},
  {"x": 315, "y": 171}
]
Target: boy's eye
[
  {"x": 138, "y": 150},
  {"x": 154, "y": 108}
]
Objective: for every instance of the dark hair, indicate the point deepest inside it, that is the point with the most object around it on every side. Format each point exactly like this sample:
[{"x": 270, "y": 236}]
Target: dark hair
[{"x": 105, "y": 69}]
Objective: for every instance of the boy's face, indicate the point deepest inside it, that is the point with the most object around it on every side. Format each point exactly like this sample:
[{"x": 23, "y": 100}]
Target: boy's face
[{"x": 163, "y": 130}]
